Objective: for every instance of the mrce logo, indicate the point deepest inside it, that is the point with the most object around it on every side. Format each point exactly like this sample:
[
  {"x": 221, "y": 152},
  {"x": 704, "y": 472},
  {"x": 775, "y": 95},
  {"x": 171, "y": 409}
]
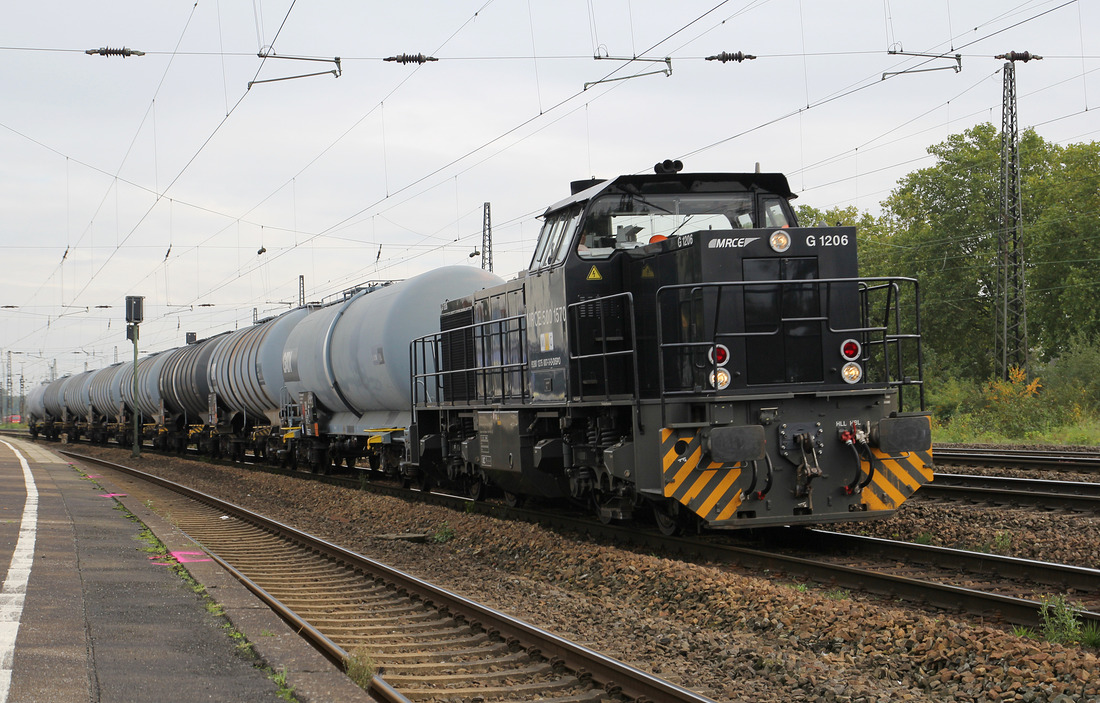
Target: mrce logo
[{"x": 730, "y": 242}]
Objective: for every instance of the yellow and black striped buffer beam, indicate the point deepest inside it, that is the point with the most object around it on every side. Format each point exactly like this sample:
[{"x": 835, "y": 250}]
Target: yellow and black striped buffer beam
[
  {"x": 896, "y": 478},
  {"x": 707, "y": 490}
]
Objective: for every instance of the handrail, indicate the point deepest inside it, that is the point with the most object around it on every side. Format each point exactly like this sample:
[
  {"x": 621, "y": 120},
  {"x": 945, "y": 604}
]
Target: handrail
[
  {"x": 886, "y": 334},
  {"x": 574, "y": 321},
  {"x": 483, "y": 334}
]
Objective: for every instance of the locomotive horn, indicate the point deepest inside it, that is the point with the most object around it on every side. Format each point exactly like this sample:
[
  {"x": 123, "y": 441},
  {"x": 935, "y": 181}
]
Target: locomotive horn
[{"x": 668, "y": 166}]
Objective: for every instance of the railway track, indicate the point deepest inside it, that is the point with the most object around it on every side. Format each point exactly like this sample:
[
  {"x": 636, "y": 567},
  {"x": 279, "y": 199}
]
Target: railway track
[
  {"x": 1029, "y": 492},
  {"x": 428, "y": 643},
  {"x": 979, "y": 583},
  {"x": 1088, "y": 462},
  {"x": 988, "y": 585}
]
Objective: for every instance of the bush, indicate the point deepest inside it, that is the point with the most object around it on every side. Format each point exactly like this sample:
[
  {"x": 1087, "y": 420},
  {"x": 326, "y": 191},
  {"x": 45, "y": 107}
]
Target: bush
[
  {"x": 1073, "y": 379},
  {"x": 1017, "y": 408}
]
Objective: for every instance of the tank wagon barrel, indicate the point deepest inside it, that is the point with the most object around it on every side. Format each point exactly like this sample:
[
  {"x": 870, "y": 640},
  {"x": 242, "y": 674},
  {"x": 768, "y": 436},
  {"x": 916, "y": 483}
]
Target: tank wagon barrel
[
  {"x": 106, "y": 392},
  {"x": 353, "y": 356},
  {"x": 184, "y": 379},
  {"x": 246, "y": 369}
]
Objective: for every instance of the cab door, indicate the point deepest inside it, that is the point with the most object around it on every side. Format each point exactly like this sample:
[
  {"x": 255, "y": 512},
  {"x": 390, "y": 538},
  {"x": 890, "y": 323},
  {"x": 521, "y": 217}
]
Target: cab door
[{"x": 544, "y": 284}]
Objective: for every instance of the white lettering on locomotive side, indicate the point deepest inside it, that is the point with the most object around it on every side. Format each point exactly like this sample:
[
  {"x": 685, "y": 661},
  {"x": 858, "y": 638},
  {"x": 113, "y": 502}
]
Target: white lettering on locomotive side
[
  {"x": 731, "y": 242},
  {"x": 550, "y": 316},
  {"x": 827, "y": 240}
]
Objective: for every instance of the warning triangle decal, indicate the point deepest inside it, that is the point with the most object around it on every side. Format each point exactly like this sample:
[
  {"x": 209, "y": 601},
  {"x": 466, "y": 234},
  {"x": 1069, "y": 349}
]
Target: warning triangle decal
[{"x": 594, "y": 274}]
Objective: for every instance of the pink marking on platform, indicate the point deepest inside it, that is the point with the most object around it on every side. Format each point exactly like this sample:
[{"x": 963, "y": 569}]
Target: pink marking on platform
[
  {"x": 185, "y": 557},
  {"x": 94, "y": 475},
  {"x": 112, "y": 495},
  {"x": 180, "y": 557}
]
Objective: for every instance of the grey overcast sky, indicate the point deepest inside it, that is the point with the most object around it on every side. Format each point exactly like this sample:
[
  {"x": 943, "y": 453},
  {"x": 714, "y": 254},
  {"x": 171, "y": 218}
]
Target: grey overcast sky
[{"x": 165, "y": 175}]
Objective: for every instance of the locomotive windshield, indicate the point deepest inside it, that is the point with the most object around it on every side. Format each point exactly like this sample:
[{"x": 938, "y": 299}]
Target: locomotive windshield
[{"x": 625, "y": 221}]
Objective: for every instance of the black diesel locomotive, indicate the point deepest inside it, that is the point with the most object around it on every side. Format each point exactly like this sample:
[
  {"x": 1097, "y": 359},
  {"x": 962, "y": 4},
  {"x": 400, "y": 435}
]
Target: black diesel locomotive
[{"x": 678, "y": 347}]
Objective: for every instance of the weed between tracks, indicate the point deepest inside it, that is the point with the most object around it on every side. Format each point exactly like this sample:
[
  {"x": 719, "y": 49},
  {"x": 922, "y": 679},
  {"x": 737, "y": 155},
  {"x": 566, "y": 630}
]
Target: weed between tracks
[{"x": 360, "y": 668}]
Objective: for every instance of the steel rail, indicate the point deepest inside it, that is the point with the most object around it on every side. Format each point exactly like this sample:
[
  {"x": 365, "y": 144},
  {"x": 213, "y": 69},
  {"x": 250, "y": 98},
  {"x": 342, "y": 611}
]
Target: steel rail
[
  {"x": 1019, "y": 611},
  {"x": 613, "y": 675},
  {"x": 1068, "y": 576},
  {"x": 1038, "y": 458},
  {"x": 1071, "y": 495}
]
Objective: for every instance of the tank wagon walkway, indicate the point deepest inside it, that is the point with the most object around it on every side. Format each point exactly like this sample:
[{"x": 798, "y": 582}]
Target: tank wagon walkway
[{"x": 87, "y": 615}]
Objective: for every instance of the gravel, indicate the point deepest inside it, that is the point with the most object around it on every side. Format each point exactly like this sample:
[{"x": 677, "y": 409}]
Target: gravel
[{"x": 725, "y": 634}]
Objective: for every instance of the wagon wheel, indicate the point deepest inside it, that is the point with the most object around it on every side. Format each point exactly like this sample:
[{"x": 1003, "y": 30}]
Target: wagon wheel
[
  {"x": 512, "y": 500},
  {"x": 475, "y": 488},
  {"x": 350, "y": 463}
]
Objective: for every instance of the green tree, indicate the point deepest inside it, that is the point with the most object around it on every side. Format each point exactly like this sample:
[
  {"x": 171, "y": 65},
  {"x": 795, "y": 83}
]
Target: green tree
[
  {"x": 1062, "y": 205},
  {"x": 944, "y": 223}
]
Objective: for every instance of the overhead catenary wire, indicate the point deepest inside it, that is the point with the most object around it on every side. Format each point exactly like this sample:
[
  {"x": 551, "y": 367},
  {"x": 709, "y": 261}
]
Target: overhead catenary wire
[{"x": 528, "y": 58}]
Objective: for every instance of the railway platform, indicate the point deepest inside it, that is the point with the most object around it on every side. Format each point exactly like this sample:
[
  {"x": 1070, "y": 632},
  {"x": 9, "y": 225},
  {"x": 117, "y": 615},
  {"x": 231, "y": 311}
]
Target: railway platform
[{"x": 87, "y": 614}]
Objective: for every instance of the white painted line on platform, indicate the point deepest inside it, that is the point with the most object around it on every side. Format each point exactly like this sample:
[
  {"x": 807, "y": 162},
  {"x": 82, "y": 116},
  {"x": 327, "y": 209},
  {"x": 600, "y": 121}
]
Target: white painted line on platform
[{"x": 14, "y": 591}]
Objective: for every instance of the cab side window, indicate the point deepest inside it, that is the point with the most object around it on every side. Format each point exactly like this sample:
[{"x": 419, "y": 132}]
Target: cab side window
[
  {"x": 774, "y": 215},
  {"x": 566, "y": 240}
]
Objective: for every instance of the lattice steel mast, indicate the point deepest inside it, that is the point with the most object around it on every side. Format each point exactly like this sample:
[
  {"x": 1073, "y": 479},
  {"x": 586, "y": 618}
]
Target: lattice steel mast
[
  {"x": 487, "y": 240},
  {"x": 1010, "y": 310}
]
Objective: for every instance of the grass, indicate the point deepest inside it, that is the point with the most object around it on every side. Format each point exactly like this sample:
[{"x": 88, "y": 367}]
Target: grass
[
  {"x": 1059, "y": 620},
  {"x": 444, "y": 534},
  {"x": 360, "y": 668},
  {"x": 286, "y": 691}
]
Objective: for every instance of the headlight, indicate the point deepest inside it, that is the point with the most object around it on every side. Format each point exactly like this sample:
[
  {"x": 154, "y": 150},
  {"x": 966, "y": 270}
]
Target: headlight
[
  {"x": 850, "y": 349},
  {"x": 720, "y": 379},
  {"x": 852, "y": 372},
  {"x": 779, "y": 241}
]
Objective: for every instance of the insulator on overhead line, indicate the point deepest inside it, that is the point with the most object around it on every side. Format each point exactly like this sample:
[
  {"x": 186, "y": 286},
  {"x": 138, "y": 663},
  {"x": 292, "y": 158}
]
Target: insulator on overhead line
[
  {"x": 410, "y": 58},
  {"x": 1024, "y": 56},
  {"x": 107, "y": 51},
  {"x": 737, "y": 56}
]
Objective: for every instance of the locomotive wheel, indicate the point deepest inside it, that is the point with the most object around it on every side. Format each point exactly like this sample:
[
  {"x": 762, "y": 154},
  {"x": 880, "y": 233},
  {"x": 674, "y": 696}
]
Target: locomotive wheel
[
  {"x": 512, "y": 500},
  {"x": 669, "y": 518},
  {"x": 604, "y": 517}
]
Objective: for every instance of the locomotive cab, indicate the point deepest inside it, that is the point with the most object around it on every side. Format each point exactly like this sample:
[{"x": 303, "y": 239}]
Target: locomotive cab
[{"x": 679, "y": 343}]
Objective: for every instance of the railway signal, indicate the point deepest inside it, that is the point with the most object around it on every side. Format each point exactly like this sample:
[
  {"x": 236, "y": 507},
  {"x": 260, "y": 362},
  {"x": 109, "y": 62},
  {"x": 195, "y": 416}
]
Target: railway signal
[{"x": 135, "y": 313}]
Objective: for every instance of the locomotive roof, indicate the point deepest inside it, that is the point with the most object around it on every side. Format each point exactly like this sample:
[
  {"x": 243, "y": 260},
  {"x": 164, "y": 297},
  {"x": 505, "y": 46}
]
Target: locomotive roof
[{"x": 682, "y": 182}]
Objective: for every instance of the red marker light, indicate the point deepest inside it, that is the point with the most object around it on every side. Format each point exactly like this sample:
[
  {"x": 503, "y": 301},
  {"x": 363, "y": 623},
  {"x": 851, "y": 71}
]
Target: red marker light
[
  {"x": 850, "y": 349},
  {"x": 719, "y": 354}
]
